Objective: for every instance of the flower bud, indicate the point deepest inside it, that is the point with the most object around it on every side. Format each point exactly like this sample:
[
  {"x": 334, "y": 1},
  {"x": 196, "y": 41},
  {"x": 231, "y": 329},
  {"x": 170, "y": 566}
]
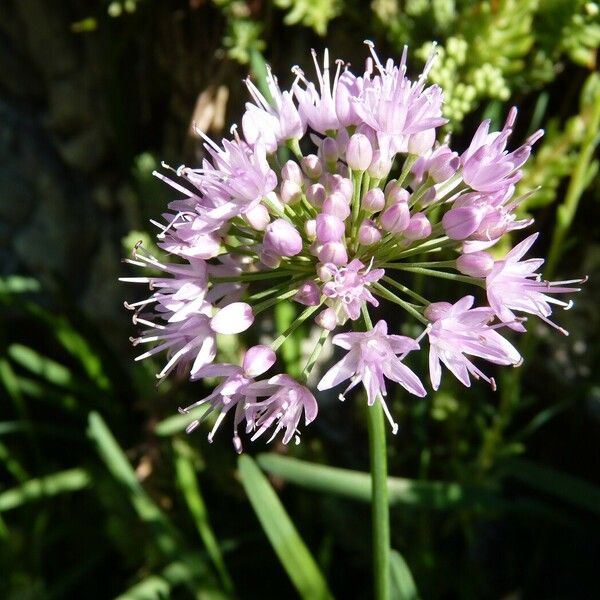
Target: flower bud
[
  {"x": 327, "y": 319},
  {"x": 421, "y": 142},
  {"x": 395, "y": 194},
  {"x": 311, "y": 165},
  {"x": 281, "y": 238},
  {"x": 492, "y": 226},
  {"x": 329, "y": 228},
  {"x": 310, "y": 228},
  {"x": 291, "y": 172},
  {"x": 443, "y": 164},
  {"x": 336, "y": 204},
  {"x": 329, "y": 152},
  {"x": 418, "y": 228},
  {"x": 309, "y": 294},
  {"x": 427, "y": 198},
  {"x": 368, "y": 233},
  {"x": 373, "y": 201},
  {"x": 325, "y": 272},
  {"x": 437, "y": 310},
  {"x": 233, "y": 318},
  {"x": 342, "y": 185},
  {"x": 316, "y": 194},
  {"x": 395, "y": 218},
  {"x": 333, "y": 252},
  {"x": 476, "y": 264},
  {"x": 258, "y": 360},
  {"x": 359, "y": 152},
  {"x": 258, "y": 217},
  {"x": 270, "y": 260},
  {"x": 460, "y": 223},
  {"x": 380, "y": 166},
  {"x": 291, "y": 192}
]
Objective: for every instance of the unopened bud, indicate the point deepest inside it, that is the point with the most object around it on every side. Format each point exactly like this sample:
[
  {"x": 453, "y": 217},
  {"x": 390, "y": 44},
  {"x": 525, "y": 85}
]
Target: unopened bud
[
  {"x": 368, "y": 233},
  {"x": 419, "y": 227},
  {"x": 359, "y": 152},
  {"x": 309, "y": 294},
  {"x": 329, "y": 152},
  {"x": 421, "y": 142},
  {"x": 460, "y": 223},
  {"x": 310, "y": 228},
  {"x": 233, "y": 318},
  {"x": 258, "y": 217},
  {"x": 342, "y": 185},
  {"x": 395, "y": 194},
  {"x": 336, "y": 204},
  {"x": 476, "y": 264},
  {"x": 333, "y": 252},
  {"x": 311, "y": 165},
  {"x": 327, "y": 319},
  {"x": 291, "y": 192},
  {"x": 329, "y": 228},
  {"x": 380, "y": 166},
  {"x": 395, "y": 218},
  {"x": 258, "y": 360},
  {"x": 270, "y": 260},
  {"x": 373, "y": 201},
  {"x": 316, "y": 194},
  {"x": 291, "y": 172},
  {"x": 443, "y": 164},
  {"x": 282, "y": 238},
  {"x": 437, "y": 310}
]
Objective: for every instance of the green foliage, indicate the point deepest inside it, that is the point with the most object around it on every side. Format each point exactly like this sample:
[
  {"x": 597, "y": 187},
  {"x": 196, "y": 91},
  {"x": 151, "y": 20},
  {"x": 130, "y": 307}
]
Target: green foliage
[{"x": 315, "y": 14}]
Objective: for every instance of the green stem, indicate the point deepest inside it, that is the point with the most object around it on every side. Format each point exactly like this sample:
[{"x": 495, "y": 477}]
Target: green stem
[
  {"x": 276, "y": 343},
  {"x": 440, "y": 274},
  {"x": 579, "y": 179},
  {"x": 380, "y": 513},
  {"x": 406, "y": 290},
  {"x": 272, "y": 301},
  {"x": 385, "y": 293},
  {"x": 314, "y": 355}
]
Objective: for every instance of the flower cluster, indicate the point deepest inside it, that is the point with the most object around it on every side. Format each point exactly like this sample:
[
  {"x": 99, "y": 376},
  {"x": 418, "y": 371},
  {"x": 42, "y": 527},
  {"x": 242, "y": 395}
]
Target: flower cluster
[{"x": 369, "y": 192}]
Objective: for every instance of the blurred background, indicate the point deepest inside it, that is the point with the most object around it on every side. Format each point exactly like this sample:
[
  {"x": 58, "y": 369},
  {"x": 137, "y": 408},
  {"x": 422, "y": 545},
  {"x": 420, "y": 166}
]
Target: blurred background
[{"x": 102, "y": 494}]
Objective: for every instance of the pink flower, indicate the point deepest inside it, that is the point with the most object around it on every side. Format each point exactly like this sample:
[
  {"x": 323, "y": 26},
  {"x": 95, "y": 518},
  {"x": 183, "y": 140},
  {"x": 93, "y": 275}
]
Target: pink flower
[
  {"x": 224, "y": 397},
  {"x": 275, "y": 123},
  {"x": 487, "y": 166},
  {"x": 397, "y": 108},
  {"x": 286, "y": 401},
  {"x": 373, "y": 355},
  {"x": 514, "y": 285},
  {"x": 318, "y": 107},
  {"x": 457, "y": 330},
  {"x": 348, "y": 287}
]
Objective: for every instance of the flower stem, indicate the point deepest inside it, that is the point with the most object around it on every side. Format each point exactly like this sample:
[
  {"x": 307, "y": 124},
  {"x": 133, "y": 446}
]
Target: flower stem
[
  {"x": 440, "y": 274},
  {"x": 385, "y": 293},
  {"x": 380, "y": 513}
]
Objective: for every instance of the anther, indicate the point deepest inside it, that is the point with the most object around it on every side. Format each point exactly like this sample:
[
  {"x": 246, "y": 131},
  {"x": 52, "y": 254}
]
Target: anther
[{"x": 493, "y": 384}]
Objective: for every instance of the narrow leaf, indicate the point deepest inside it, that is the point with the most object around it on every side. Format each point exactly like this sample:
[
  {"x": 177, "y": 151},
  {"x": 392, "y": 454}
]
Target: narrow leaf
[
  {"x": 72, "y": 480},
  {"x": 357, "y": 485},
  {"x": 289, "y": 547},
  {"x": 403, "y": 584}
]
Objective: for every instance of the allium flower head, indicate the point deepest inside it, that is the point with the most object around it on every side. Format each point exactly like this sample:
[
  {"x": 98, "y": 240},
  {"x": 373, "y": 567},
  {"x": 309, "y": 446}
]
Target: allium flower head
[{"x": 370, "y": 195}]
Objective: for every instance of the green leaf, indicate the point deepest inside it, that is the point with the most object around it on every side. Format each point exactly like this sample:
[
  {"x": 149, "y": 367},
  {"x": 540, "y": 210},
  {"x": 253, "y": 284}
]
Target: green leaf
[
  {"x": 403, "y": 584},
  {"x": 188, "y": 482},
  {"x": 289, "y": 547},
  {"x": 570, "y": 489},
  {"x": 357, "y": 485},
  {"x": 62, "y": 482},
  {"x": 118, "y": 466}
]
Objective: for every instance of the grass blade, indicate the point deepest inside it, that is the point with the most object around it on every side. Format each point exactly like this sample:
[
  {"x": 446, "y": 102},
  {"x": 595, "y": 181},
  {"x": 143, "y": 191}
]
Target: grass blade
[
  {"x": 403, "y": 584},
  {"x": 357, "y": 485},
  {"x": 289, "y": 547},
  {"x": 570, "y": 489},
  {"x": 188, "y": 482},
  {"x": 62, "y": 482}
]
